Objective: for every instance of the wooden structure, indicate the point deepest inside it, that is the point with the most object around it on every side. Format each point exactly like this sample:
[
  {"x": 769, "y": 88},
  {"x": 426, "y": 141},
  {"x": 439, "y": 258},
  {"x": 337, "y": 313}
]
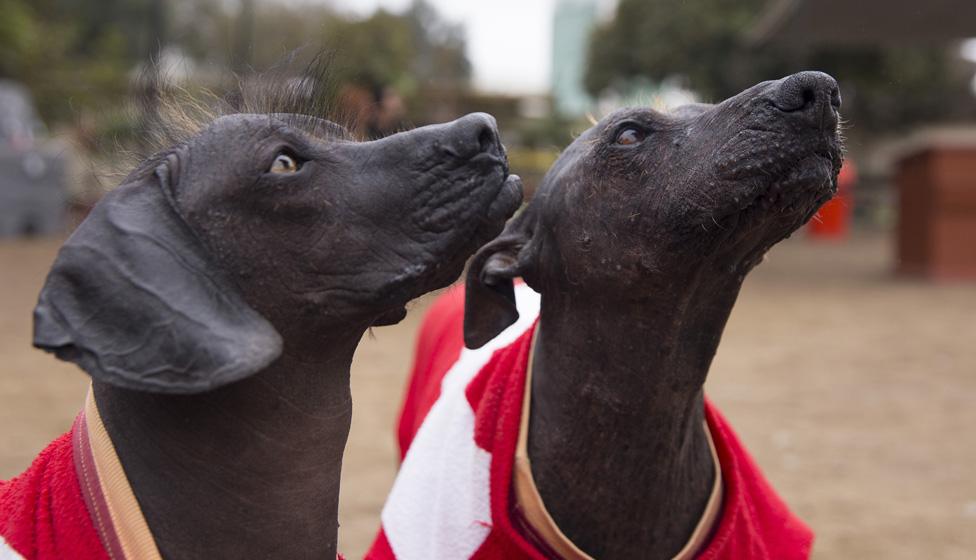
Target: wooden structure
[{"x": 936, "y": 236}]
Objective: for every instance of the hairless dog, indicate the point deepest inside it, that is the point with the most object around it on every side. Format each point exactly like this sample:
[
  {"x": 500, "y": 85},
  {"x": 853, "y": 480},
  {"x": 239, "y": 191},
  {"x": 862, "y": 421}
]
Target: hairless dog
[
  {"x": 216, "y": 298},
  {"x": 638, "y": 241}
]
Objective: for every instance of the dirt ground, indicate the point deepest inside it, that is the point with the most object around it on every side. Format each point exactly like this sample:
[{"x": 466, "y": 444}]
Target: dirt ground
[{"x": 855, "y": 391}]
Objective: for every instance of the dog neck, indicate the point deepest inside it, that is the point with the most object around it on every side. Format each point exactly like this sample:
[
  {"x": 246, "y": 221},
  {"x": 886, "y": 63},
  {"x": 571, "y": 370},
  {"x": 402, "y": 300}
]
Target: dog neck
[
  {"x": 616, "y": 437},
  {"x": 250, "y": 470}
]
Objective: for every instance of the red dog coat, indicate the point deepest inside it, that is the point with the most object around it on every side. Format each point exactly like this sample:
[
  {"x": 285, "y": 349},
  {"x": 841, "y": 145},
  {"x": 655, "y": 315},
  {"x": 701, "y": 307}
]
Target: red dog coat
[
  {"x": 74, "y": 502},
  {"x": 458, "y": 430}
]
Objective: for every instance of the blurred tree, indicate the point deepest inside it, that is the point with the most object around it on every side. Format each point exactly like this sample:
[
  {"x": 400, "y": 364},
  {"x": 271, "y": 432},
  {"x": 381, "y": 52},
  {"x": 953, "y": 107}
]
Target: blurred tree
[
  {"x": 385, "y": 53},
  {"x": 80, "y": 55},
  {"x": 703, "y": 40},
  {"x": 76, "y": 53},
  {"x": 698, "y": 39},
  {"x": 374, "y": 52},
  {"x": 439, "y": 45},
  {"x": 18, "y": 34},
  {"x": 244, "y": 42}
]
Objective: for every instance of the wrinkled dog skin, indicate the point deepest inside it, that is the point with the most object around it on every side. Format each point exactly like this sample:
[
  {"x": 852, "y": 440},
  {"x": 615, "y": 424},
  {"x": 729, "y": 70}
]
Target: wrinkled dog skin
[
  {"x": 217, "y": 295},
  {"x": 360, "y": 228},
  {"x": 721, "y": 182},
  {"x": 638, "y": 240},
  {"x": 343, "y": 235}
]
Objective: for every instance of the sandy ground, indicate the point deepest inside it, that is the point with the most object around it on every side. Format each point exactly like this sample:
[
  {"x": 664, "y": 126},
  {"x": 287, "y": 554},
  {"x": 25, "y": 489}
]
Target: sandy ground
[{"x": 854, "y": 390}]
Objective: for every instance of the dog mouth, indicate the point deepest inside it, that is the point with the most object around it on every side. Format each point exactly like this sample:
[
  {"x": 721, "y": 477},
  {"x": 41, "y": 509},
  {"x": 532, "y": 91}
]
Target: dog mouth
[
  {"x": 487, "y": 222},
  {"x": 790, "y": 184},
  {"x": 510, "y": 194},
  {"x": 812, "y": 181},
  {"x": 489, "y": 159}
]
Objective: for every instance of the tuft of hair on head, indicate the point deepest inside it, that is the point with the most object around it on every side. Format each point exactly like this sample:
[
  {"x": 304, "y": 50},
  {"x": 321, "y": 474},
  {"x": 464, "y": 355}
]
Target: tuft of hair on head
[
  {"x": 298, "y": 90},
  {"x": 302, "y": 94}
]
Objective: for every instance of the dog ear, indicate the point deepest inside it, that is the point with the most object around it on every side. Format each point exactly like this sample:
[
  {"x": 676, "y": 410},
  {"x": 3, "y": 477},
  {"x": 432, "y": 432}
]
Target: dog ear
[
  {"x": 489, "y": 300},
  {"x": 135, "y": 300}
]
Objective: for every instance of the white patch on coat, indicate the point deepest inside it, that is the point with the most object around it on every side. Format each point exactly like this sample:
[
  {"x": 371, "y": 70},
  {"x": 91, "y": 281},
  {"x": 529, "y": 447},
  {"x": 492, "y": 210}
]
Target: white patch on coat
[
  {"x": 440, "y": 504},
  {"x": 7, "y": 552}
]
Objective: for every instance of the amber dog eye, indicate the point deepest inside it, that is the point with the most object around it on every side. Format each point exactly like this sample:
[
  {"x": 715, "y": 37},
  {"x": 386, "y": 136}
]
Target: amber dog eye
[
  {"x": 630, "y": 136},
  {"x": 284, "y": 163}
]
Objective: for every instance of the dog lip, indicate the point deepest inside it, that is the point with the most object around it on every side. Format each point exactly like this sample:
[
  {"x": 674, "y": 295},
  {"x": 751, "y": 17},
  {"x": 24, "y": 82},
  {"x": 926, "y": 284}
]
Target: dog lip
[
  {"x": 513, "y": 184},
  {"x": 489, "y": 158},
  {"x": 791, "y": 193},
  {"x": 508, "y": 198}
]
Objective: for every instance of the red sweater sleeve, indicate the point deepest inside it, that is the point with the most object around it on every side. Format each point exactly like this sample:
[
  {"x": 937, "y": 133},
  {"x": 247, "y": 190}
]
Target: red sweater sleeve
[{"x": 42, "y": 512}]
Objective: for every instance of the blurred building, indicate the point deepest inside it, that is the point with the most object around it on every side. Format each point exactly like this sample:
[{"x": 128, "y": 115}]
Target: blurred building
[
  {"x": 572, "y": 23},
  {"x": 843, "y": 22},
  {"x": 933, "y": 171},
  {"x": 33, "y": 196}
]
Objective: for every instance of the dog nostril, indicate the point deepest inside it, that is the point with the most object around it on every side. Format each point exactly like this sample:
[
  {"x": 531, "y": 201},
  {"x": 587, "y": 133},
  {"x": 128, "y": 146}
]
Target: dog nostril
[
  {"x": 809, "y": 97},
  {"x": 487, "y": 139},
  {"x": 806, "y": 91},
  {"x": 472, "y": 135}
]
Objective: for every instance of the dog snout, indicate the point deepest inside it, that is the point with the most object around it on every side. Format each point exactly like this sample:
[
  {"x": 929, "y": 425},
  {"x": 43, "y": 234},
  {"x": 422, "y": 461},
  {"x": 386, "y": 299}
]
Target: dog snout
[
  {"x": 811, "y": 94},
  {"x": 472, "y": 135}
]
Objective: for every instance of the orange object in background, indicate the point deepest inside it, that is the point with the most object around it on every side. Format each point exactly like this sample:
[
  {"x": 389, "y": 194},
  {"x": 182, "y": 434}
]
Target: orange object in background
[{"x": 833, "y": 220}]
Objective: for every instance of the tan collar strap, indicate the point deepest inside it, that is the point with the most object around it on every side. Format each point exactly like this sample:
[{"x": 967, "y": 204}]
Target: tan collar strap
[
  {"x": 111, "y": 503},
  {"x": 536, "y": 516}
]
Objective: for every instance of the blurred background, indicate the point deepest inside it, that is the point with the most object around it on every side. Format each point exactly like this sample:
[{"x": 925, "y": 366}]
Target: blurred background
[{"x": 849, "y": 364}]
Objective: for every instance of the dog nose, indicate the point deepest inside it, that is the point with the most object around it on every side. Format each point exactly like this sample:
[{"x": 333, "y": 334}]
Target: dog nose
[
  {"x": 814, "y": 93},
  {"x": 473, "y": 134}
]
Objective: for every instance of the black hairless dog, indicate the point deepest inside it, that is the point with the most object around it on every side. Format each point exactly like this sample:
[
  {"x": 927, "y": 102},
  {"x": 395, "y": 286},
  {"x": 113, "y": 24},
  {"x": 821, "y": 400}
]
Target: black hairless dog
[
  {"x": 638, "y": 241},
  {"x": 217, "y": 296},
  {"x": 669, "y": 212}
]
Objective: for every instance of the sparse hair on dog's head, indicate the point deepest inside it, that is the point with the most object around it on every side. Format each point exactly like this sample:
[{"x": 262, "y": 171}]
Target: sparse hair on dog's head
[{"x": 301, "y": 94}]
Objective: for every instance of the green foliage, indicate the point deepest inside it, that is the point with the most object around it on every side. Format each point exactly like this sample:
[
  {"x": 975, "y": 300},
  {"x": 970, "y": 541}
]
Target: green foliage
[
  {"x": 72, "y": 54},
  {"x": 661, "y": 38},
  {"x": 703, "y": 40},
  {"x": 372, "y": 52},
  {"x": 406, "y": 51},
  {"x": 78, "y": 56},
  {"x": 553, "y": 132},
  {"x": 439, "y": 47},
  {"x": 18, "y": 35},
  {"x": 895, "y": 87}
]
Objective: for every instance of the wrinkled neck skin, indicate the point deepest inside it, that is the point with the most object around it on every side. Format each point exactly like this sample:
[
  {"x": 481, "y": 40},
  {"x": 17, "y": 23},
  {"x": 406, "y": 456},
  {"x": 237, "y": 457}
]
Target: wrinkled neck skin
[
  {"x": 250, "y": 470},
  {"x": 616, "y": 437}
]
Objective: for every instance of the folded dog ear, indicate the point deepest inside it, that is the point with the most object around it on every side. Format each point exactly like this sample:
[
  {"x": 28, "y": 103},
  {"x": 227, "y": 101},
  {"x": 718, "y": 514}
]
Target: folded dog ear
[
  {"x": 489, "y": 300},
  {"x": 134, "y": 299}
]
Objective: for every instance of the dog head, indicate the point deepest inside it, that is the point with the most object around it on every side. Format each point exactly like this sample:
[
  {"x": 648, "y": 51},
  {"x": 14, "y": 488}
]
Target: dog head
[
  {"x": 264, "y": 229},
  {"x": 645, "y": 201}
]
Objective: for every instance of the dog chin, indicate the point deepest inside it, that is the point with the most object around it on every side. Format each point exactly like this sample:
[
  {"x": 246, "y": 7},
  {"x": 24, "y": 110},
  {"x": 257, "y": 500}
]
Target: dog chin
[
  {"x": 510, "y": 194},
  {"x": 390, "y": 317},
  {"x": 814, "y": 180}
]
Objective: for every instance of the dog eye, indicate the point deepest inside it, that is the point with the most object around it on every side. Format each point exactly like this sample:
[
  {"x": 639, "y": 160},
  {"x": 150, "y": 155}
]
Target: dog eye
[
  {"x": 284, "y": 163},
  {"x": 630, "y": 136}
]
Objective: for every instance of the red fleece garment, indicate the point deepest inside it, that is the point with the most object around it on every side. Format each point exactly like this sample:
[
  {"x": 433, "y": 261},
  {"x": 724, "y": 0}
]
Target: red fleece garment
[
  {"x": 42, "y": 511},
  {"x": 754, "y": 522}
]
